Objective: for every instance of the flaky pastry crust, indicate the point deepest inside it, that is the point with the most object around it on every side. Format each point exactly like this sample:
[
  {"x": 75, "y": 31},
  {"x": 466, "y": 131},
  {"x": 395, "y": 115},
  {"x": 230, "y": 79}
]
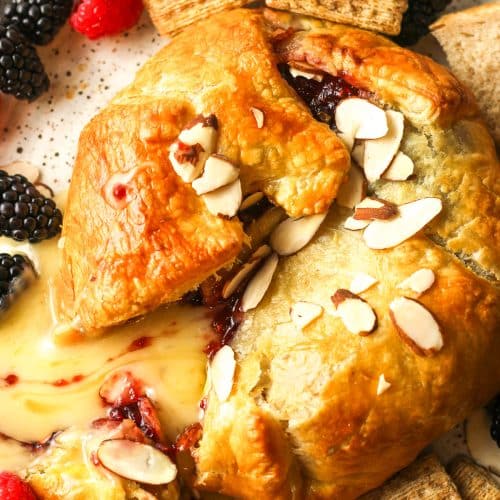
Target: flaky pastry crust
[{"x": 304, "y": 419}]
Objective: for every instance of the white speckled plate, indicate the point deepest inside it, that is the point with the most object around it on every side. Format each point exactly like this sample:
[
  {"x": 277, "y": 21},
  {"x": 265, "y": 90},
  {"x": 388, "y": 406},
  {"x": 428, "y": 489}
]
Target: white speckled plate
[{"x": 84, "y": 76}]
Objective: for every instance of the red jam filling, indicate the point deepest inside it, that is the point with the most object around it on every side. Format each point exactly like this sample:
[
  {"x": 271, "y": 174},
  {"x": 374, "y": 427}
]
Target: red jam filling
[
  {"x": 321, "y": 97},
  {"x": 120, "y": 191}
]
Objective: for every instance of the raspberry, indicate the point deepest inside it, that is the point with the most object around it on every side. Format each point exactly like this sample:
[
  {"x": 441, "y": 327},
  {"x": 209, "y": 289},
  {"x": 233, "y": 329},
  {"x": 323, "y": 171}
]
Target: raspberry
[
  {"x": 97, "y": 18},
  {"x": 12, "y": 487}
]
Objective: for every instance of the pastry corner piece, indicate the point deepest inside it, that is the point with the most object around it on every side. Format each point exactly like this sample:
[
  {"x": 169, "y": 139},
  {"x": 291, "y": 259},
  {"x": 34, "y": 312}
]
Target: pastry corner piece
[
  {"x": 384, "y": 16},
  {"x": 138, "y": 232},
  {"x": 470, "y": 40}
]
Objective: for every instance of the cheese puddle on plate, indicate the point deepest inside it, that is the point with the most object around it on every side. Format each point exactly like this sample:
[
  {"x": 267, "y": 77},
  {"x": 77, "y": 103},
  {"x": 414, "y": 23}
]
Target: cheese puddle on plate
[{"x": 58, "y": 386}]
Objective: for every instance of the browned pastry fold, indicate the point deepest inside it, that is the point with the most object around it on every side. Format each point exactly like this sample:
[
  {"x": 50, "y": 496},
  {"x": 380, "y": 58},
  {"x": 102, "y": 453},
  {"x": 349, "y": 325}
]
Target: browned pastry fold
[{"x": 123, "y": 263}]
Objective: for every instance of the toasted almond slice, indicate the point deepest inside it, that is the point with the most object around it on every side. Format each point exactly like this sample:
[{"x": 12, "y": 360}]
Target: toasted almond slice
[
  {"x": 356, "y": 314},
  {"x": 303, "y": 313},
  {"x": 360, "y": 119},
  {"x": 481, "y": 446},
  {"x": 355, "y": 225},
  {"x": 358, "y": 153},
  {"x": 232, "y": 285},
  {"x": 416, "y": 326},
  {"x": 187, "y": 160},
  {"x": 136, "y": 461},
  {"x": 203, "y": 131},
  {"x": 412, "y": 218},
  {"x": 259, "y": 284},
  {"x": 251, "y": 199},
  {"x": 222, "y": 372},
  {"x": 219, "y": 172},
  {"x": 24, "y": 168},
  {"x": 383, "y": 385},
  {"x": 400, "y": 169},
  {"x": 420, "y": 281},
  {"x": 225, "y": 200},
  {"x": 258, "y": 114},
  {"x": 375, "y": 208},
  {"x": 310, "y": 75},
  {"x": 362, "y": 282},
  {"x": 354, "y": 190},
  {"x": 379, "y": 153},
  {"x": 193, "y": 146},
  {"x": 291, "y": 235}
]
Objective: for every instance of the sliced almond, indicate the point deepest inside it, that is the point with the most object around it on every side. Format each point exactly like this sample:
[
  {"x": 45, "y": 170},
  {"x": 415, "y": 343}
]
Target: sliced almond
[
  {"x": 400, "y": 169},
  {"x": 354, "y": 190},
  {"x": 291, "y": 235},
  {"x": 356, "y": 314},
  {"x": 375, "y": 208},
  {"x": 251, "y": 199},
  {"x": 259, "y": 284},
  {"x": 358, "y": 153},
  {"x": 218, "y": 172},
  {"x": 232, "y": 285},
  {"x": 187, "y": 160},
  {"x": 310, "y": 75},
  {"x": 412, "y": 218},
  {"x": 360, "y": 119},
  {"x": 136, "y": 461},
  {"x": 416, "y": 326},
  {"x": 362, "y": 282},
  {"x": 203, "y": 131},
  {"x": 23, "y": 168},
  {"x": 382, "y": 385},
  {"x": 303, "y": 313},
  {"x": 195, "y": 143},
  {"x": 379, "y": 153},
  {"x": 420, "y": 281},
  {"x": 222, "y": 372},
  {"x": 225, "y": 200},
  {"x": 355, "y": 225},
  {"x": 259, "y": 116}
]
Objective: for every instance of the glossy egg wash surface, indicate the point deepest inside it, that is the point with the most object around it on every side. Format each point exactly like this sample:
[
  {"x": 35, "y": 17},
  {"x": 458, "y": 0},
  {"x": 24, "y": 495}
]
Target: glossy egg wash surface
[{"x": 47, "y": 386}]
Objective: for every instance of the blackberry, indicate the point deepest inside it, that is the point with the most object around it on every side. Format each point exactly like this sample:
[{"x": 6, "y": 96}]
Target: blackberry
[
  {"x": 25, "y": 214},
  {"x": 495, "y": 420},
  {"x": 16, "y": 272},
  {"x": 418, "y": 17},
  {"x": 38, "y": 20},
  {"x": 21, "y": 71}
]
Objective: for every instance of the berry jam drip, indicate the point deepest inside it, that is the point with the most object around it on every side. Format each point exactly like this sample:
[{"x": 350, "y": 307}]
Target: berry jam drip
[
  {"x": 11, "y": 379},
  {"x": 321, "y": 97}
]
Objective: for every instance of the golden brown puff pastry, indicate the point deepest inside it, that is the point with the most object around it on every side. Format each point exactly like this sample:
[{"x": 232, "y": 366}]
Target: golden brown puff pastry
[
  {"x": 303, "y": 419},
  {"x": 120, "y": 263}
]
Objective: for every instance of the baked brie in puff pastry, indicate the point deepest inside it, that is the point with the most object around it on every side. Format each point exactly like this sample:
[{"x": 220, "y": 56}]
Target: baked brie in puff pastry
[{"x": 380, "y": 334}]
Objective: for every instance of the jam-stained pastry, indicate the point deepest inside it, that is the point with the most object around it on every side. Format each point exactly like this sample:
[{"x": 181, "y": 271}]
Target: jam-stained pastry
[{"x": 125, "y": 257}]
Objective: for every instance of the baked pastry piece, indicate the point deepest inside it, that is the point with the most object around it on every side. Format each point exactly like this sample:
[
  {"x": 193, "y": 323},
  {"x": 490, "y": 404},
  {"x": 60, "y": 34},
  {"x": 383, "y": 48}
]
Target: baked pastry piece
[
  {"x": 318, "y": 411},
  {"x": 378, "y": 15},
  {"x": 126, "y": 257},
  {"x": 470, "y": 40}
]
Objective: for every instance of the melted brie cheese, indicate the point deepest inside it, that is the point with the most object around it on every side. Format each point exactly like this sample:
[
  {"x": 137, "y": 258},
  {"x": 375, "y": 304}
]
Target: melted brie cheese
[{"x": 58, "y": 385}]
